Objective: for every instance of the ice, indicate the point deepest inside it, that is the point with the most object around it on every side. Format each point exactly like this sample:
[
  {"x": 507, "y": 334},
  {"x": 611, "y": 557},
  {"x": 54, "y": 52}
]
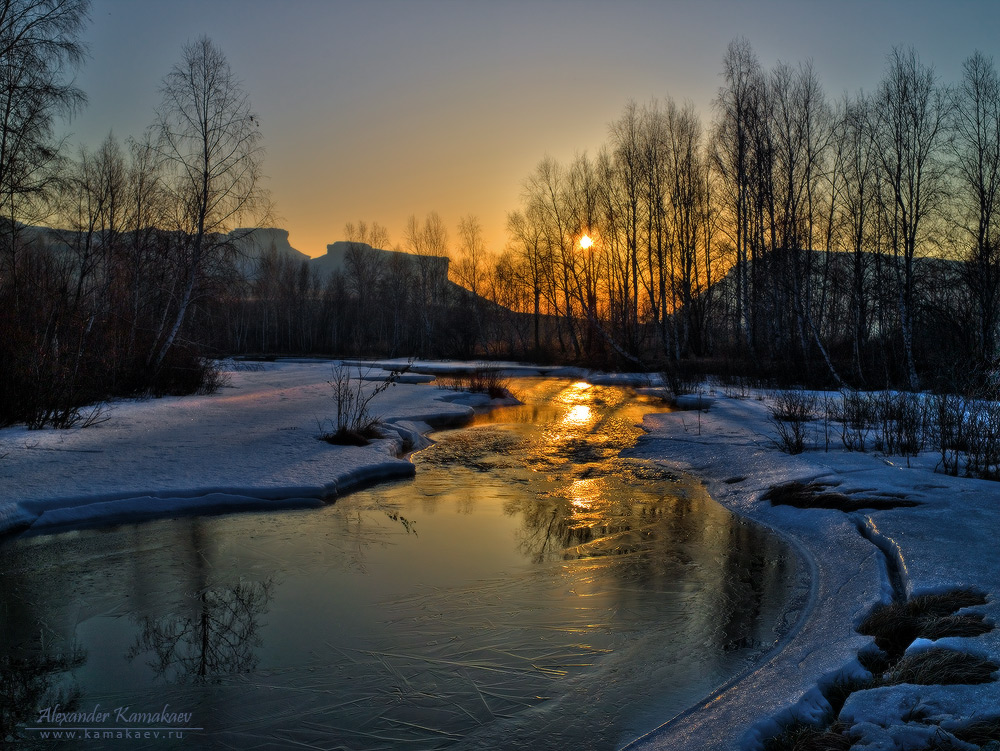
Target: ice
[
  {"x": 252, "y": 445},
  {"x": 948, "y": 541},
  {"x": 255, "y": 445}
]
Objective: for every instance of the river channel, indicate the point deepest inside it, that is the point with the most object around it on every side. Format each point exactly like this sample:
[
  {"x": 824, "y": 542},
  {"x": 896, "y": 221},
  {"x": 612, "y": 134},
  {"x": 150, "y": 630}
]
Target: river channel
[{"x": 529, "y": 589}]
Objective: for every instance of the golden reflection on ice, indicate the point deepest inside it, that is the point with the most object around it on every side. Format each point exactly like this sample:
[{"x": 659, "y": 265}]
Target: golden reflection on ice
[
  {"x": 575, "y": 393},
  {"x": 585, "y": 494},
  {"x": 578, "y": 415},
  {"x": 579, "y": 397}
]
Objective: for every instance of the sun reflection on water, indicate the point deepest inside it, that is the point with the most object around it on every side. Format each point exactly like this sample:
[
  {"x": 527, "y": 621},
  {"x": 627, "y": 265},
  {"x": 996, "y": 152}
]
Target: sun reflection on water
[
  {"x": 585, "y": 493},
  {"x": 579, "y": 414}
]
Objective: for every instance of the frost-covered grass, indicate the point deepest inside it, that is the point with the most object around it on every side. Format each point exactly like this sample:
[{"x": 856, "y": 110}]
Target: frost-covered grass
[
  {"x": 804, "y": 737},
  {"x": 819, "y": 495}
]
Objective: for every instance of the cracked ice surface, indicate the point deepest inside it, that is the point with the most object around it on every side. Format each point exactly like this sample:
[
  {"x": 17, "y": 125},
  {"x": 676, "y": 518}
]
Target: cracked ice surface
[{"x": 948, "y": 541}]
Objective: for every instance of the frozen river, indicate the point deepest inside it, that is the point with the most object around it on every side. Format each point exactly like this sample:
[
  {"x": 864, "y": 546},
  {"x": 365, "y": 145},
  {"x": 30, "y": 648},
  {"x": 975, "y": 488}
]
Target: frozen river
[{"x": 529, "y": 589}]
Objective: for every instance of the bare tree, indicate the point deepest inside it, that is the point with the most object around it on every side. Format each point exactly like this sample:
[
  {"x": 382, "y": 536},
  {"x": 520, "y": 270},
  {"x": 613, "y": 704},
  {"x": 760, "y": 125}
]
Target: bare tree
[
  {"x": 527, "y": 246},
  {"x": 39, "y": 50},
  {"x": 39, "y": 47},
  {"x": 976, "y": 125},
  {"x": 628, "y": 166},
  {"x": 209, "y": 137},
  {"x": 472, "y": 268},
  {"x": 858, "y": 217},
  {"x": 429, "y": 245},
  {"x": 686, "y": 209},
  {"x": 738, "y": 105},
  {"x": 364, "y": 264},
  {"x": 910, "y": 124}
]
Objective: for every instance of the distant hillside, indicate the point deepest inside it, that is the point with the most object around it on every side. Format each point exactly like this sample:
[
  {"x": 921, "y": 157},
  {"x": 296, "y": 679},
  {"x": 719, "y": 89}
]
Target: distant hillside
[
  {"x": 336, "y": 259},
  {"x": 253, "y": 244}
]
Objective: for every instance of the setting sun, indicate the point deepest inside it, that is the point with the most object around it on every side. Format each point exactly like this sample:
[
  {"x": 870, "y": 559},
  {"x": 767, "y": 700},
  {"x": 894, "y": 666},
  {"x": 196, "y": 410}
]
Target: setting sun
[{"x": 586, "y": 242}]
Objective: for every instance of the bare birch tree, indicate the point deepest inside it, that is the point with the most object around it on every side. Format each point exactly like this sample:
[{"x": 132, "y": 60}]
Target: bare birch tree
[
  {"x": 910, "y": 122},
  {"x": 976, "y": 125},
  {"x": 209, "y": 138}
]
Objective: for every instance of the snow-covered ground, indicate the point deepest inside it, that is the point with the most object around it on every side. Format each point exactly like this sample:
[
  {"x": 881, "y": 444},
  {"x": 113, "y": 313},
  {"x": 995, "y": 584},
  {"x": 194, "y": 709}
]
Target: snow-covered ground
[
  {"x": 251, "y": 445},
  {"x": 254, "y": 445},
  {"x": 949, "y": 540}
]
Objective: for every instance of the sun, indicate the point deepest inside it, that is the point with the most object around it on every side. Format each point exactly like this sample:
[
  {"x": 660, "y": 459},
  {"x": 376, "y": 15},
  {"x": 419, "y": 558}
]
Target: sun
[{"x": 586, "y": 242}]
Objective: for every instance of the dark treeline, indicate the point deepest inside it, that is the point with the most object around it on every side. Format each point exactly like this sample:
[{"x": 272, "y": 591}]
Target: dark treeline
[
  {"x": 104, "y": 305},
  {"x": 852, "y": 242},
  {"x": 377, "y": 303},
  {"x": 841, "y": 243}
]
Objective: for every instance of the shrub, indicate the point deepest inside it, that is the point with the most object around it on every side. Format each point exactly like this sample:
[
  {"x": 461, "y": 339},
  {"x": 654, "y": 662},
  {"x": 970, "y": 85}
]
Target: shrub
[
  {"x": 790, "y": 410},
  {"x": 793, "y": 406},
  {"x": 949, "y": 413},
  {"x": 482, "y": 380},
  {"x": 901, "y": 422},
  {"x": 354, "y": 424},
  {"x": 486, "y": 380},
  {"x": 680, "y": 378},
  {"x": 791, "y": 436},
  {"x": 857, "y": 416}
]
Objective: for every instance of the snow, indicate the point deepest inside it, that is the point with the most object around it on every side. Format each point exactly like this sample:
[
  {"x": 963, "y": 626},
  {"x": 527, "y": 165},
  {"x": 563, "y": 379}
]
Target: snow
[
  {"x": 252, "y": 445},
  {"x": 946, "y": 542},
  {"x": 457, "y": 367}
]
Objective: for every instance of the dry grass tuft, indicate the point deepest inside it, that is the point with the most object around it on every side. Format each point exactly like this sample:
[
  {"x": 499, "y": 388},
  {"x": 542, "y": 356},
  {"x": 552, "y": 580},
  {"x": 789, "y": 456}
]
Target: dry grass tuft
[
  {"x": 875, "y": 661},
  {"x": 942, "y": 667},
  {"x": 972, "y": 624},
  {"x": 838, "y": 691},
  {"x": 818, "y": 495},
  {"x": 896, "y": 625},
  {"x": 980, "y": 732},
  {"x": 802, "y": 737},
  {"x": 946, "y": 603}
]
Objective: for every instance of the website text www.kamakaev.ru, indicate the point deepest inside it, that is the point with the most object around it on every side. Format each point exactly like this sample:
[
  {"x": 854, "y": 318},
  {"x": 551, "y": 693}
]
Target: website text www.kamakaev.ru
[{"x": 123, "y": 734}]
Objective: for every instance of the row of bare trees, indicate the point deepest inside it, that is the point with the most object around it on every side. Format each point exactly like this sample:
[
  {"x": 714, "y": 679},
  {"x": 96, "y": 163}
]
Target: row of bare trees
[
  {"x": 101, "y": 306},
  {"x": 385, "y": 299},
  {"x": 844, "y": 241},
  {"x": 851, "y": 242}
]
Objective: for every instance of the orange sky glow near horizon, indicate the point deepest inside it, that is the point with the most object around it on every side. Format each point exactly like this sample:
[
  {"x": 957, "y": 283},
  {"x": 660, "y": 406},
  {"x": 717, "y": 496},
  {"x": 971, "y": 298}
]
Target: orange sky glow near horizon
[{"x": 380, "y": 110}]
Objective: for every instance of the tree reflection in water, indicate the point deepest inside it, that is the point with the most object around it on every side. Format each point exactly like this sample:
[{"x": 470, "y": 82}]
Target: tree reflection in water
[
  {"x": 217, "y": 639},
  {"x": 31, "y": 678},
  {"x": 557, "y": 595}
]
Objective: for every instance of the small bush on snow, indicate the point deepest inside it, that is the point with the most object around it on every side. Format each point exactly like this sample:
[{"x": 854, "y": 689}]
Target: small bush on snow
[{"x": 354, "y": 424}]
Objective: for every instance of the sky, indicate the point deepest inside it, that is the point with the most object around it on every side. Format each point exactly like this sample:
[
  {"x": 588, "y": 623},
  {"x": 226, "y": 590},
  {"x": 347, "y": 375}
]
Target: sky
[{"x": 378, "y": 109}]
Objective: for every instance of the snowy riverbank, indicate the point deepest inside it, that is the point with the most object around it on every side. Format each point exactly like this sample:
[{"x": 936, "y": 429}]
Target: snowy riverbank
[
  {"x": 254, "y": 445},
  {"x": 948, "y": 541},
  {"x": 251, "y": 445}
]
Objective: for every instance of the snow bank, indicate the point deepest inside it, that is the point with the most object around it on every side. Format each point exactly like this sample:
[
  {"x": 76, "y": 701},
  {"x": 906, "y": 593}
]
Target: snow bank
[
  {"x": 946, "y": 542},
  {"x": 455, "y": 367},
  {"x": 253, "y": 445}
]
